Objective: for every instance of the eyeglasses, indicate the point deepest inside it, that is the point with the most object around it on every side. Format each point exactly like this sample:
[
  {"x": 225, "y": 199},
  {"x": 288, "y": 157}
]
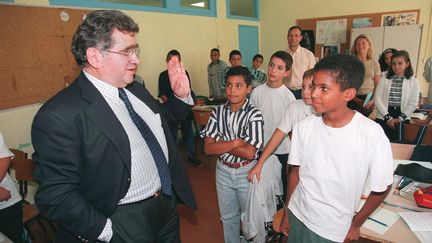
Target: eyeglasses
[{"x": 130, "y": 53}]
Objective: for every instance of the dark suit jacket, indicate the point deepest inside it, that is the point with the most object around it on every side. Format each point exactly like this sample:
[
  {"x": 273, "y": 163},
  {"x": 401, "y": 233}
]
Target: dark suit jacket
[{"x": 83, "y": 158}]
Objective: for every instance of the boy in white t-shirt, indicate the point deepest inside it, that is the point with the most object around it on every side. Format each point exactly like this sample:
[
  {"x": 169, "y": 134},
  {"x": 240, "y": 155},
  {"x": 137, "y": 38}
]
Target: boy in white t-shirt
[
  {"x": 10, "y": 200},
  {"x": 297, "y": 111},
  {"x": 330, "y": 158},
  {"x": 272, "y": 99}
]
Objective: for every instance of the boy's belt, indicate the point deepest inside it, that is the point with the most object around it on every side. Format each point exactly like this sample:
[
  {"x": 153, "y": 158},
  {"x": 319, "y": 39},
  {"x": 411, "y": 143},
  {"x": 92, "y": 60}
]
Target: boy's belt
[{"x": 238, "y": 164}]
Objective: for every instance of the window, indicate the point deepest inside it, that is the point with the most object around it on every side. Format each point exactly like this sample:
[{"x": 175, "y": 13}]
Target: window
[
  {"x": 153, "y": 3},
  {"x": 243, "y": 9},
  {"x": 195, "y": 4},
  {"x": 189, "y": 7}
]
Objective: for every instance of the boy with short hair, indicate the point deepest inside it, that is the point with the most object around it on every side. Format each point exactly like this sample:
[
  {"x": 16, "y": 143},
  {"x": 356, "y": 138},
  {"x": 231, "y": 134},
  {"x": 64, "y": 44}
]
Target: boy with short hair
[
  {"x": 273, "y": 99},
  {"x": 331, "y": 156},
  {"x": 260, "y": 76},
  {"x": 234, "y": 133},
  {"x": 216, "y": 71},
  {"x": 297, "y": 111}
]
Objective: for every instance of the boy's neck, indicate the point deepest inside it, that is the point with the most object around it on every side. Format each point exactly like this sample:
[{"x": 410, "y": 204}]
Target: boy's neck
[
  {"x": 274, "y": 84},
  {"x": 338, "y": 118},
  {"x": 238, "y": 106}
]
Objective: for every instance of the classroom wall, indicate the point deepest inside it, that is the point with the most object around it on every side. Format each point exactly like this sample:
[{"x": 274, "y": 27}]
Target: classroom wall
[
  {"x": 193, "y": 36},
  {"x": 278, "y": 15}
]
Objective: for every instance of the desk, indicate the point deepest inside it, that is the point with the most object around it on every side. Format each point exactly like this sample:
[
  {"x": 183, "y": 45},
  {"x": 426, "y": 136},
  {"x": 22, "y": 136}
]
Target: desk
[{"x": 399, "y": 232}]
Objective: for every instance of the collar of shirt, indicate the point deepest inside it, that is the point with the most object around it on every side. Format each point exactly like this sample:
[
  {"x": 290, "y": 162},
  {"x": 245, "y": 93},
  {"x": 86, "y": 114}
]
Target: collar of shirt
[{"x": 227, "y": 105}]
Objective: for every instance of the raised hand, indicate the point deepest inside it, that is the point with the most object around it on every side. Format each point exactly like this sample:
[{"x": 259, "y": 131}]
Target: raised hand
[{"x": 178, "y": 78}]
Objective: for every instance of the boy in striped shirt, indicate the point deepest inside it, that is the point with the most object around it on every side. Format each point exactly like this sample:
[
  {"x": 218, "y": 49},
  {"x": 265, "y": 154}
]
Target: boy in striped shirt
[{"x": 234, "y": 132}]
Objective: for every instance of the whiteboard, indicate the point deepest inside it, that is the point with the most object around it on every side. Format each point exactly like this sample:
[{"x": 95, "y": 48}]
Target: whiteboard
[{"x": 406, "y": 37}]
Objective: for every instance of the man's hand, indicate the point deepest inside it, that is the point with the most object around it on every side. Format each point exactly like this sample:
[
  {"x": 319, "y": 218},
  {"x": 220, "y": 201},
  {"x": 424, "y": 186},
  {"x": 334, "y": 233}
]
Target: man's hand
[
  {"x": 353, "y": 234},
  {"x": 178, "y": 78},
  {"x": 369, "y": 104},
  {"x": 284, "y": 226},
  {"x": 4, "y": 194},
  {"x": 255, "y": 171}
]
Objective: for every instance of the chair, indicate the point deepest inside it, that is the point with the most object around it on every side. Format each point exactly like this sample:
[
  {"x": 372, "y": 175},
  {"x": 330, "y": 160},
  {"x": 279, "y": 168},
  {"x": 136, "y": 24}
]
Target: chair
[{"x": 23, "y": 174}]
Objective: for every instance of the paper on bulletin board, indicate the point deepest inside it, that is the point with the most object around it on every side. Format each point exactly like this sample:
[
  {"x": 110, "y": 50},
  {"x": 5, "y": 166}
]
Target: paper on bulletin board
[{"x": 331, "y": 31}]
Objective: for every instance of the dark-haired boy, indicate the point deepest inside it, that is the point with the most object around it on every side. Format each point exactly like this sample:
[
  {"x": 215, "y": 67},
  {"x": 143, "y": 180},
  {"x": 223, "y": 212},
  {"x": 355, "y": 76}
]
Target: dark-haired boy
[
  {"x": 260, "y": 76},
  {"x": 273, "y": 99},
  {"x": 215, "y": 72},
  {"x": 331, "y": 156},
  {"x": 234, "y": 132}
]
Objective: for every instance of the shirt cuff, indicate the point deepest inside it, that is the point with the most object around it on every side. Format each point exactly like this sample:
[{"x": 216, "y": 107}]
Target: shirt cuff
[
  {"x": 188, "y": 100},
  {"x": 107, "y": 232}
]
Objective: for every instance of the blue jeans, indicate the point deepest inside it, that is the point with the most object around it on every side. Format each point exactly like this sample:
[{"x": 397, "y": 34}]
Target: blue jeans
[{"x": 232, "y": 189}]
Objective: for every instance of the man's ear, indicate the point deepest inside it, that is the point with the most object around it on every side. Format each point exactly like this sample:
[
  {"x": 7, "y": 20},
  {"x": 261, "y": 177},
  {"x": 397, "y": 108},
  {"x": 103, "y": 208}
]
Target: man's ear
[
  {"x": 349, "y": 94},
  {"x": 94, "y": 57}
]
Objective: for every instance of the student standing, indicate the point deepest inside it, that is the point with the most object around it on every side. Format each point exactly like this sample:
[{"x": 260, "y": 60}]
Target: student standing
[
  {"x": 259, "y": 75},
  {"x": 297, "y": 111},
  {"x": 215, "y": 72},
  {"x": 397, "y": 94},
  {"x": 385, "y": 60},
  {"x": 427, "y": 74},
  {"x": 303, "y": 60},
  {"x": 234, "y": 132},
  {"x": 166, "y": 93},
  {"x": 273, "y": 99},
  {"x": 107, "y": 166},
  {"x": 331, "y": 157}
]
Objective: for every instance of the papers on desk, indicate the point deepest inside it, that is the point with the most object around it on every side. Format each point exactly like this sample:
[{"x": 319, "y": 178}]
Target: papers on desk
[
  {"x": 420, "y": 224},
  {"x": 381, "y": 220},
  {"x": 204, "y": 107}
]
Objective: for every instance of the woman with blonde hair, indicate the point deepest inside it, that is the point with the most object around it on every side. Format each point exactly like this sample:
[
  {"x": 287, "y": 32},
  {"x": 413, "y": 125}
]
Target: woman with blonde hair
[{"x": 362, "y": 49}]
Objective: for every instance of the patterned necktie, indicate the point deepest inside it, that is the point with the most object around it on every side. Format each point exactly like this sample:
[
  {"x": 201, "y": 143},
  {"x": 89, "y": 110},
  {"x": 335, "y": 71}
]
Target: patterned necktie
[{"x": 152, "y": 143}]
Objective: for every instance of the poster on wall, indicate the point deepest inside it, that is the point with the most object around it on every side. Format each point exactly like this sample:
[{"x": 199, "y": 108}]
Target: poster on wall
[
  {"x": 329, "y": 49},
  {"x": 399, "y": 19},
  {"x": 363, "y": 22},
  {"x": 331, "y": 31},
  {"x": 308, "y": 40}
]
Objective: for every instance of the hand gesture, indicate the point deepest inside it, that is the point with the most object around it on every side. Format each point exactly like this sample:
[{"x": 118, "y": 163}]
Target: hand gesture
[
  {"x": 284, "y": 226},
  {"x": 255, "y": 171},
  {"x": 353, "y": 234},
  {"x": 4, "y": 194},
  {"x": 178, "y": 78}
]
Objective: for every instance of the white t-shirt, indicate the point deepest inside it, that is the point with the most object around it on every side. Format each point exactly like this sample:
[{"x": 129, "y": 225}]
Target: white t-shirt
[
  {"x": 296, "y": 112},
  {"x": 273, "y": 104},
  {"x": 334, "y": 164},
  {"x": 7, "y": 181}
]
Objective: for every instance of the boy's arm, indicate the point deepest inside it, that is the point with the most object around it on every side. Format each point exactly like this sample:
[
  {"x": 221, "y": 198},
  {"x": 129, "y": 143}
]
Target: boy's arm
[
  {"x": 372, "y": 202},
  {"x": 213, "y": 147},
  {"x": 4, "y": 165},
  {"x": 272, "y": 144},
  {"x": 246, "y": 151},
  {"x": 293, "y": 179}
]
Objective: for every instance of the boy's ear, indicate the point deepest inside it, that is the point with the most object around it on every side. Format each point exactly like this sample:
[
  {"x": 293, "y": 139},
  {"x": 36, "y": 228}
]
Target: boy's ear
[
  {"x": 287, "y": 73},
  {"x": 349, "y": 94},
  {"x": 249, "y": 88}
]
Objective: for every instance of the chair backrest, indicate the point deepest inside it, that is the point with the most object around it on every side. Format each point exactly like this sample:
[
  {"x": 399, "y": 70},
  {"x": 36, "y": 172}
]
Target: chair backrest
[{"x": 23, "y": 170}]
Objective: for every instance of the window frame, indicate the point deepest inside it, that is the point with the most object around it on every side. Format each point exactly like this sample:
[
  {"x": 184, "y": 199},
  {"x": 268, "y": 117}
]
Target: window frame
[
  {"x": 171, "y": 6},
  {"x": 257, "y": 12}
]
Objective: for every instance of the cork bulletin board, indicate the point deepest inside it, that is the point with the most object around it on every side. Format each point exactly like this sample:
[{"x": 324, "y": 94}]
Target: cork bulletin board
[
  {"x": 36, "y": 61},
  {"x": 372, "y": 19}
]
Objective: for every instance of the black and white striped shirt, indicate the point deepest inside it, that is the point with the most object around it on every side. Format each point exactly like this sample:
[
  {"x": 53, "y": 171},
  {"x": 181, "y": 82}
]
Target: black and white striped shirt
[
  {"x": 246, "y": 124},
  {"x": 395, "y": 95}
]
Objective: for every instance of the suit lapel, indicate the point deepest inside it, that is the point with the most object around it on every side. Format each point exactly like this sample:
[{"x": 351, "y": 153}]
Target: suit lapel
[{"x": 99, "y": 112}]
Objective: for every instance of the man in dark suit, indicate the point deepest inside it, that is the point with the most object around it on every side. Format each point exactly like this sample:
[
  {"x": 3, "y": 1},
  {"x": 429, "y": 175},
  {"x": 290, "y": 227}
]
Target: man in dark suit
[{"x": 107, "y": 166}]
